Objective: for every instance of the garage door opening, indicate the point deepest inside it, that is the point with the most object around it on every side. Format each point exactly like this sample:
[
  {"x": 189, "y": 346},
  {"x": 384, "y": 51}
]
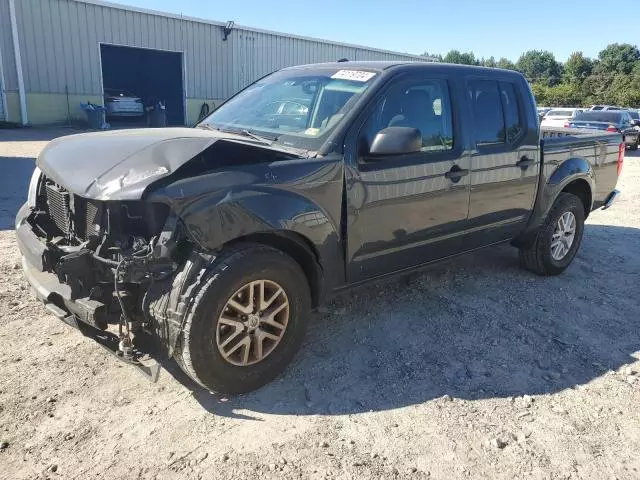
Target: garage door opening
[{"x": 136, "y": 78}]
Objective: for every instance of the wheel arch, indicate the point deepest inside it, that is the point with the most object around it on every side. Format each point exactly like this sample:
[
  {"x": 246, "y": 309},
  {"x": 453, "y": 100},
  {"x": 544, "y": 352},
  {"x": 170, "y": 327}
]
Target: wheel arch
[
  {"x": 299, "y": 248},
  {"x": 576, "y": 176},
  {"x": 581, "y": 189}
]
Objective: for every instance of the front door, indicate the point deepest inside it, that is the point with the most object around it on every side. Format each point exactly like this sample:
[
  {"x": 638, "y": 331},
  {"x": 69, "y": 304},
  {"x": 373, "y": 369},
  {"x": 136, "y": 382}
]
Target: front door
[
  {"x": 406, "y": 210},
  {"x": 505, "y": 163}
]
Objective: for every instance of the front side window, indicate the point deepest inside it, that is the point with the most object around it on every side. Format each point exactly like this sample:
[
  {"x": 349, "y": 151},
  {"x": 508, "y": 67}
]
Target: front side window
[
  {"x": 488, "y": 116},
  {"x": 294, "y": 107},
  {"x": 423, "y": 105}
]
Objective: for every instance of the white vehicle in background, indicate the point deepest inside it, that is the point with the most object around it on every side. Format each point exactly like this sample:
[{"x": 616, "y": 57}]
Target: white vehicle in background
[
  {"x": 557, "y": 117},
  {"x": 119, "y": 103},
  {"x": 542, "y": 112},
  {"x": 605, "y": 107}
]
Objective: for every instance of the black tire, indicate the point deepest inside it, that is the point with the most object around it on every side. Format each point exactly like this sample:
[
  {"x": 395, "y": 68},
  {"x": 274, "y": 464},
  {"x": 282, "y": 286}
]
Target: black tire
[
  {"x": 634, "y": 147},
  {"x": 197, "y": 351},
  {"x": 538, "y": 258}
]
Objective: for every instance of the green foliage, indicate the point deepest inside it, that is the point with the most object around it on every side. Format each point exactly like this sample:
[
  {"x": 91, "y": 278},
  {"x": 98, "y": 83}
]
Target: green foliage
[
  {"x": 464, "y": 58},
  {"x": 436, "y": 56},
  {"x": 618, "y": 58},
  {"x": 577, "y": 68},
  {"x": 540, "y": 66},
  {"x": 613, "y": 78},
  {"x": 506, "y": 64}
]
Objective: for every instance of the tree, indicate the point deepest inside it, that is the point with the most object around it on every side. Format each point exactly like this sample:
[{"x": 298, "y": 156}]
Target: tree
[
  {"x": 540, "y": 93},
  {"x": 618, "y": 58},
  {"x": 540, "y": 66},
  {"x": 577, "y": 68},
  {"x": 625, "y": 91},
  {"x": 506, "y": 64},
  {"x": 564, "y": 94},
  {"x": 489, "y": 62},
  {"x": 435, "y": 56},
  {"x": 464, "y": 58},
  {"x": 613, "y": 78},
  {"x": 596, "y": 88}
]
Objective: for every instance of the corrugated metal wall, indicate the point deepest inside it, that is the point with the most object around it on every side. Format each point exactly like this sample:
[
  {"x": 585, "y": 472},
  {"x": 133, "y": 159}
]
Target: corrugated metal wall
[
  {"x": 6, "y": 48},
  {"x": 59, "y": 46}
]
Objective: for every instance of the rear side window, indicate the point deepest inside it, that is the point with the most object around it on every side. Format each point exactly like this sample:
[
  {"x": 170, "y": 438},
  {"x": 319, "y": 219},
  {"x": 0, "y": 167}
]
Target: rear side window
[
  {"x": 487, "y": 112},
  {"x": 512, "y": 114}
]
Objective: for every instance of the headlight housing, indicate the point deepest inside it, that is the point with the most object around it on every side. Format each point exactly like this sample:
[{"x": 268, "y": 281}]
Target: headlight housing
[{"x": 33, "y": 187}]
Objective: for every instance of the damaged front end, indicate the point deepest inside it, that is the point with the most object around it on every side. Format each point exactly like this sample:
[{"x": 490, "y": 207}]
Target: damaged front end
[{"x": 108, "y": 268}]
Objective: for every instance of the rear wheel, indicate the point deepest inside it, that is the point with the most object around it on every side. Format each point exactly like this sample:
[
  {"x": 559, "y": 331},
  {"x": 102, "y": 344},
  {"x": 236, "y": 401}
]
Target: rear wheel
[
  {"x": 558, "y": 239},
  {"x": 246, "y": 322}
]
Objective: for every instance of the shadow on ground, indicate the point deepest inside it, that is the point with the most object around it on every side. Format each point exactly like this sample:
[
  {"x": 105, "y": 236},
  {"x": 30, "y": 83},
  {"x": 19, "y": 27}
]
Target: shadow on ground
[
  {"x": 477, "y": 327},
  {"x": 15, "y": 173}
]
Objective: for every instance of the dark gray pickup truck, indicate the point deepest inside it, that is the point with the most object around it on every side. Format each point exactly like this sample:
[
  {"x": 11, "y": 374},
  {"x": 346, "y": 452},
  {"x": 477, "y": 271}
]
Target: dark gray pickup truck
[{"x": 213, "y": 244}]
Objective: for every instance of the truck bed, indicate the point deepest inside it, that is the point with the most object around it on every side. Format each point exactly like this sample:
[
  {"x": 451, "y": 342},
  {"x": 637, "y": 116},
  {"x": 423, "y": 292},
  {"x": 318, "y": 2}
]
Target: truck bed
[{"x": 599, "y": 148}]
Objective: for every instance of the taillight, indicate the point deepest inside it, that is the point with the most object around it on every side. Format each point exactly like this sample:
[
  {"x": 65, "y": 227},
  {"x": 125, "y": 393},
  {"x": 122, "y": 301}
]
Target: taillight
[
  {"x": 612, "y": 128},
  {"x": 621, "y": 149},
  {"x": 567, "y": 124}
]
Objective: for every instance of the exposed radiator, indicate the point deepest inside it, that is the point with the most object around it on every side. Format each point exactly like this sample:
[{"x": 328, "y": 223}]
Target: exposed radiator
[
  {"x": 82, "y": 221},
  {"x": 58, "y": 206}
]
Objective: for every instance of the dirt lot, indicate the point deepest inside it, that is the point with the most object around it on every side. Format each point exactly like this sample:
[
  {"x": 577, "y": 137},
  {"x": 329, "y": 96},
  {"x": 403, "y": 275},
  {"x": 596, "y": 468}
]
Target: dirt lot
[{"x": 475, "y": 369}]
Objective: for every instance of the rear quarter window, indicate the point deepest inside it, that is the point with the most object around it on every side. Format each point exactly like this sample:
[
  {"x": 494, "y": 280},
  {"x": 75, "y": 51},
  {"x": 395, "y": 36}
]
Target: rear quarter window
[{"x": 512, "y": 112}]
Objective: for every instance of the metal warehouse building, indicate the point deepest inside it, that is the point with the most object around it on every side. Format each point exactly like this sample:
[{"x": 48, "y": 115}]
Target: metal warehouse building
[{"x": 56, "y": 54}]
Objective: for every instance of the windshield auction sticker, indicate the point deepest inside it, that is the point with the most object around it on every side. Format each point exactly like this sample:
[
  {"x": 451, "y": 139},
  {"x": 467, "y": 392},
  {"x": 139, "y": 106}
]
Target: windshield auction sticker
[{"x": 355, "y": 75}]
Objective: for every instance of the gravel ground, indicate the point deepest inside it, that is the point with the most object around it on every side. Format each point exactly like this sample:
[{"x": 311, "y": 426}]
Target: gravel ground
[{"x": 475, "y": 369}]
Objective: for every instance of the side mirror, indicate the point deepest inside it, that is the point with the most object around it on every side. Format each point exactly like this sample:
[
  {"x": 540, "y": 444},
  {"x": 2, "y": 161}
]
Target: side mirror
[{"x": 396, "y": 141}]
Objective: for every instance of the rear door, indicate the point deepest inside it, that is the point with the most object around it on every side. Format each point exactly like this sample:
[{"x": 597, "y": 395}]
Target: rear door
[
  {"x": 405, "y": 210},
  {"x": 505, "y": 163}
]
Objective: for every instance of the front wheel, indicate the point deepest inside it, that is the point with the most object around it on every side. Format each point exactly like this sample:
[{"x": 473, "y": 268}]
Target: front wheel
[
  {"x": 246, "y": 322},
  {"x": 558, "y": 239},
  {"x": 635, "y": 145}
]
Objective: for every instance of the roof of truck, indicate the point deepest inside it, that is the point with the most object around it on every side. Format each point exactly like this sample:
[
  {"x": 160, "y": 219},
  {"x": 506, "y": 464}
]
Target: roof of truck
[{"x": 386, "y": 65}]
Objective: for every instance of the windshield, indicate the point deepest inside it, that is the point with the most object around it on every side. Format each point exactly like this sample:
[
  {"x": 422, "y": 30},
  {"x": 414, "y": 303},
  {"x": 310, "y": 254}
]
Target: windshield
[
  {"x": 599, "y": 116},
  {"x": 296, "y": 107},
  {"x": 634, "y": 115}
]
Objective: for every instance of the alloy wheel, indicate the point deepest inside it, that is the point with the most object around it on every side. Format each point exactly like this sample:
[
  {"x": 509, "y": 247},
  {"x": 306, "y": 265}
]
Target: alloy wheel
[
  {"x": 563, "y": 236},
  {"x": 252, "y": 323}
]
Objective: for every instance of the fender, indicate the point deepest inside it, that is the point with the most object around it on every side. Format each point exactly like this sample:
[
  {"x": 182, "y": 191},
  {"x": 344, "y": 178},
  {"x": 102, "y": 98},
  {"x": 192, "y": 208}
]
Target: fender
[
  {"x": 549, "y": 188},
  {"x": 278, "y": 198}
]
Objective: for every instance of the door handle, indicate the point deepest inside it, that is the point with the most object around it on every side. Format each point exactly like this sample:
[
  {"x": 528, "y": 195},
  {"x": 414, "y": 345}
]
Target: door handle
[
  {"x": 525, "y": 162},
  {"x": 456, "y": 173}
]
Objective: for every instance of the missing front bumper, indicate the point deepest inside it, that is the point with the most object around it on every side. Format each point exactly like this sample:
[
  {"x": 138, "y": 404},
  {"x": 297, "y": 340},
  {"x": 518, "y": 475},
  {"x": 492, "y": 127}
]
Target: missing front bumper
[
  {"x": 88, "y": 316},
  {"x": 82, "y": 316}
]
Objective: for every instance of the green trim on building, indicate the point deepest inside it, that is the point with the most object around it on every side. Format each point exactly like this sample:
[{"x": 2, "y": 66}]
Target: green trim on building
[{"x": 56, "y": 108}]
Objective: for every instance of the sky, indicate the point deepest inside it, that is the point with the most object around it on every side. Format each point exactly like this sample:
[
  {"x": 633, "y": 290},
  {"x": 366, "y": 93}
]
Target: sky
[{"x": 487, "y": 27}]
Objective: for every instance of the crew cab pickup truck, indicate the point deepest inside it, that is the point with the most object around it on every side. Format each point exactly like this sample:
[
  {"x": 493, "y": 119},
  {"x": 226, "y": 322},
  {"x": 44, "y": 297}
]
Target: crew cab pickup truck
[{"x": 214, "y": 244}]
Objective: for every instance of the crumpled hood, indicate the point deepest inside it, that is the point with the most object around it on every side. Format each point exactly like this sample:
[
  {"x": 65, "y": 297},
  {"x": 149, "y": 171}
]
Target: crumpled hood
[{"x": 120, "y": 164}]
